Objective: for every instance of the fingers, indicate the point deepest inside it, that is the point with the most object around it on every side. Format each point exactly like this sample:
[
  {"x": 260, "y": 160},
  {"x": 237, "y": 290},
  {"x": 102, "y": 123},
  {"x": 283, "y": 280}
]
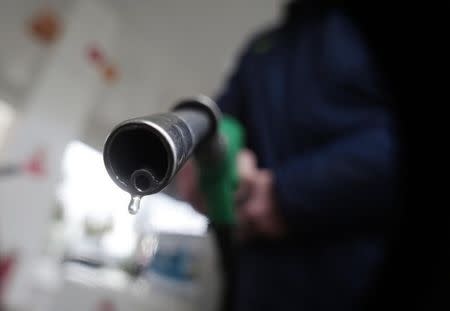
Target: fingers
[
  {"x": 259, "y": 214},
  {"x": 186, "y": 184},
  {"x": 246, "y": 164},
  {"x": 247, "y": 168}
]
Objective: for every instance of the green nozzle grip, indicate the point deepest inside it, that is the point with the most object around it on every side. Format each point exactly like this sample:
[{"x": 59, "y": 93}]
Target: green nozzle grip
[{"x": 219, "y": 183}]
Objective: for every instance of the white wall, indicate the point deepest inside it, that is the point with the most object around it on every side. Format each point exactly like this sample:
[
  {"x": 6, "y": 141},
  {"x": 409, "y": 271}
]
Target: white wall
[
  {"x": 53, "y": 114},
  {"x": 170, "y": 49},
  {"x": 21, "y": 58}
]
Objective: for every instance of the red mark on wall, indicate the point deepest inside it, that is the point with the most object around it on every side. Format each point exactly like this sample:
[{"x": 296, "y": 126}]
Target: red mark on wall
[
  {"x": 34, "y": 166},
  {"x": 45, "y": 25},
  {"x": 96, "y": 55},
  {"x": 7, "y": 264},
  {"x": 106, "y": 305},
  {"x": 107, "y": 69}
]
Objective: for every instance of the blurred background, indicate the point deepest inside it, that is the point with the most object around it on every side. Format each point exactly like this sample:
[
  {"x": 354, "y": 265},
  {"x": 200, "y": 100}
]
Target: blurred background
[{"x": 69, "y": 71}]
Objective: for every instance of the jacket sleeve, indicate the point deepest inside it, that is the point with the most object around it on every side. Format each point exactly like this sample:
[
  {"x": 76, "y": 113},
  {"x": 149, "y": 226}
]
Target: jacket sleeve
[
  {"x": 231, "y": 98},
  {"x": 347, "y": 184}
]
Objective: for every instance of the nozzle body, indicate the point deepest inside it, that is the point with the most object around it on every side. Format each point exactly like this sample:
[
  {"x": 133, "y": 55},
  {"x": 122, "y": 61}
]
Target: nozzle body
[{"x": 142, "y": 155}]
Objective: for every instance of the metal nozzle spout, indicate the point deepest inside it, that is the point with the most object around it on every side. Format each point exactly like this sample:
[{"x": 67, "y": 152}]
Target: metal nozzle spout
[
  {"x": 142, "y": 155},
  {"x": 142, "y": 180}
]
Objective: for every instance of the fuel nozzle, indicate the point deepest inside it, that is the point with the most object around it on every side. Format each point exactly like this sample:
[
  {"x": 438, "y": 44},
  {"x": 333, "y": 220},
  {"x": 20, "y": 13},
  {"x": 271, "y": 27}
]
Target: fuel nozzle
[{"x": 142, "y": 155}]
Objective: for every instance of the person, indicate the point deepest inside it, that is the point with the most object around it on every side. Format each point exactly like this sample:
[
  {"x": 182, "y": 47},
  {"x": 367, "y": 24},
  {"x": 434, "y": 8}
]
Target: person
[{"x": 319, "y": 180}]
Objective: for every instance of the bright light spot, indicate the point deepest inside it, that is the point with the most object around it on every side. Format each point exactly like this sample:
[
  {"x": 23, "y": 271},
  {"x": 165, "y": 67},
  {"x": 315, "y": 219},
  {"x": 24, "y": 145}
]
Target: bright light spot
[
  {"x": 7, "y": 116},
  {"x": 88, "y": 192}
]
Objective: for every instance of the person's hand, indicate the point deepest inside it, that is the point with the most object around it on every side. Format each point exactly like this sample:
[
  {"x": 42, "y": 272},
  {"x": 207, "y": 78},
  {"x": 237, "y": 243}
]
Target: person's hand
[
  {"x": 256, "y": 205},
  {"x": 186, "y": 184},
  {"x": 256, "y": 208}
]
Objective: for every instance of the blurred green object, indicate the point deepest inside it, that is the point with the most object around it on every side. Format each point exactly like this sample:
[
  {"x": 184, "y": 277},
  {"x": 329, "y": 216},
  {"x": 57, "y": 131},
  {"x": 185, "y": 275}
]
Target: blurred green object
[{"x": 219, "y": 181}]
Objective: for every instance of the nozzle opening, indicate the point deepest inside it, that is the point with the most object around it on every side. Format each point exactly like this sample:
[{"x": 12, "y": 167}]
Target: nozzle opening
[
  {"x": 138, "y": 157},
  {"x": 142, "y": 180}
]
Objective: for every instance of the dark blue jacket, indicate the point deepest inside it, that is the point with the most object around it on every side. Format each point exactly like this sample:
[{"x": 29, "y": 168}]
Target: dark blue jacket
[{"x": 315, "y": 109}]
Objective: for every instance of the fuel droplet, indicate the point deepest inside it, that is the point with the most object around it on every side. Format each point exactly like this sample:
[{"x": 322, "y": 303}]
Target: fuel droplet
[{"x": 134, "y": 205}]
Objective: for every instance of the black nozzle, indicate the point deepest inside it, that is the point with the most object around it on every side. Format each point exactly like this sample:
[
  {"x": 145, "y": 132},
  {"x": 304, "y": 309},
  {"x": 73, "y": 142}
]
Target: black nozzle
[
  {"x": 137, "y": 158},
  {"x": 142, "y": 155}
]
